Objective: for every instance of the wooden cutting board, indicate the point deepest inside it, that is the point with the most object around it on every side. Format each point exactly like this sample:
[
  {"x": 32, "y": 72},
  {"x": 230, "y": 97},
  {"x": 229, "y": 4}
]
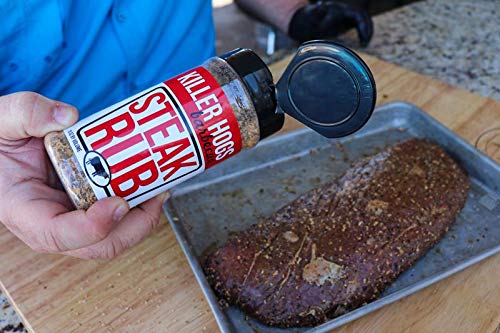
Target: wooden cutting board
[{"x": 152, "y": 289}]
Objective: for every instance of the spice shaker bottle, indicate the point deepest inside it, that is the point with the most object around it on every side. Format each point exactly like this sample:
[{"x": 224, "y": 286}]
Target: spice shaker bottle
[{"x": 175, "y": 130}]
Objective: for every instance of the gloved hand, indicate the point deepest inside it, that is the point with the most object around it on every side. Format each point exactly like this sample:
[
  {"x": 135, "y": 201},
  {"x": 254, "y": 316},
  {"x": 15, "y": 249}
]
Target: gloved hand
[{"x": 327, "y": 19}]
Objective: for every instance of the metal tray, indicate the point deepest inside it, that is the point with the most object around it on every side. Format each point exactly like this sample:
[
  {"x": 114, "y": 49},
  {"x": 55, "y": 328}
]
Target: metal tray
[{"x": 228, "y": 198}]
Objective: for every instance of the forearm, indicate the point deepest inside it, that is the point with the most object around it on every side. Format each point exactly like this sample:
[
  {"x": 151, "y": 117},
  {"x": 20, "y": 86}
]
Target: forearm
[{"x": 275, "y": 12}]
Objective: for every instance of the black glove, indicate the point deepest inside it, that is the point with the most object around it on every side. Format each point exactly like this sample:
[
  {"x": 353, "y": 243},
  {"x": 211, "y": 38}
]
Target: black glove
[{"x": 327, "y": 19}]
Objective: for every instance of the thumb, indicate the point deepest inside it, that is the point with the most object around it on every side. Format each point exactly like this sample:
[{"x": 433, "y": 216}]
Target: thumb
[
  {"x": 364, "y": 27},
  {"x": 28, "y": 114},
  {"x": 318, "y": 10}
]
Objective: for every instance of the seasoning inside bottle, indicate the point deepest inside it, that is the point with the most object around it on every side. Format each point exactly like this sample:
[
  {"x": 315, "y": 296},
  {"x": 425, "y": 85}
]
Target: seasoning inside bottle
[{"x": 175, "y": 130}]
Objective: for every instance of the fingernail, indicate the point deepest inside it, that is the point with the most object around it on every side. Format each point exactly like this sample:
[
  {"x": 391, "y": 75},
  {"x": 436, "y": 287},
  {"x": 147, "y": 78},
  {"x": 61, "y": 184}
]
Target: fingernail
[
  {"x": 64, "y": 115},
  {"x": 120, "y": 212}
]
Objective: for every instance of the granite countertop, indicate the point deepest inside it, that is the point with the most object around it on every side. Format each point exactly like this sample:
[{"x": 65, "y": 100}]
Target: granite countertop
[
  {"x": 457, "y": 42},
  {"x": 454, "y": 41},
  {"x": 9, "y": 321}
]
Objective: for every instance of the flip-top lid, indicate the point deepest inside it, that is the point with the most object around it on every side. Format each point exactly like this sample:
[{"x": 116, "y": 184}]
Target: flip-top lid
[
  {"x": 328, "y": 88},
  {"x": 259, "y": 84}
]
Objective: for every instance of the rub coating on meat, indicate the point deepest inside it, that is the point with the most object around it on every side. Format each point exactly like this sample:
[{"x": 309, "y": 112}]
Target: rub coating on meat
[{"x": 339, "y": 246}]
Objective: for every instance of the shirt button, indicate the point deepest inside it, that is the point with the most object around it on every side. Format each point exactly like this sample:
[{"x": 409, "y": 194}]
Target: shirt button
[{"x": 120, "y": 17}]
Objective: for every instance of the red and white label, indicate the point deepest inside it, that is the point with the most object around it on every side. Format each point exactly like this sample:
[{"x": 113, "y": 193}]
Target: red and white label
[{"x": 158, "y": 138}]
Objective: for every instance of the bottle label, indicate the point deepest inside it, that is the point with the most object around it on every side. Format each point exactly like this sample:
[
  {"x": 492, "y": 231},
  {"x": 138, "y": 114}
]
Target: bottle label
[{"x": 156, "y": 139}]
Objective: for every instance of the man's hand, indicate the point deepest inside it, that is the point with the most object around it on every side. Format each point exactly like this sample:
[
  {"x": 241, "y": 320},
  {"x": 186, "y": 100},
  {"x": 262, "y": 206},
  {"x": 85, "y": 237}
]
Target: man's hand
[
  {"x": 303, "y": 21},
  {"x": 327, "y": 19},
  {"x": 35, "y": 207}
]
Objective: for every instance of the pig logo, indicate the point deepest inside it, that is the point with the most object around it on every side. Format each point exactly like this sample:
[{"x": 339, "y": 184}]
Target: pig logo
[{"x": 97, "y": 169}]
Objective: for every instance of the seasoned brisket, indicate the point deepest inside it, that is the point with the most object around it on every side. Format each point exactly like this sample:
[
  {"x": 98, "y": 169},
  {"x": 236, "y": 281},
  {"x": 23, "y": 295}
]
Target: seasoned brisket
[{"x": 339, "y": 246}]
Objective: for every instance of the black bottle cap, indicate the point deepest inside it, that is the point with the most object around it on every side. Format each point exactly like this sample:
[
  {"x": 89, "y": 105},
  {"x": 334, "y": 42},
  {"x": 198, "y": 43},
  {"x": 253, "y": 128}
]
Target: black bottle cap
[
  {"x": 328, "y": 88},
  {"x": 260, "y": 86}
]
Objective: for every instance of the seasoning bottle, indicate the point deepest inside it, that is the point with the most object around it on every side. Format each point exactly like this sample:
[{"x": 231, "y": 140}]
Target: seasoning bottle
[{"x": 175, "y": 130}]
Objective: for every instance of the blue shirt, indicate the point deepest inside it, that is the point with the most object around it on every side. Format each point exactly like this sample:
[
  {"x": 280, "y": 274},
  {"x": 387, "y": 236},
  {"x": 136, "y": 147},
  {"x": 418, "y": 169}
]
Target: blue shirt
[{"x": 93, "y": 53}]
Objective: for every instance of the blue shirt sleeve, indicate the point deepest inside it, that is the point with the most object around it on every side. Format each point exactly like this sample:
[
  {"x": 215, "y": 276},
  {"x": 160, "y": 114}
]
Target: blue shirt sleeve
[{"x": 95, "y": 53}]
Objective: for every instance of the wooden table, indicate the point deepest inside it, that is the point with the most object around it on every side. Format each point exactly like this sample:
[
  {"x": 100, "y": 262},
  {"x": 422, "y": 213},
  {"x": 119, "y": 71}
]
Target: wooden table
[{"x": 152, "y": 289}]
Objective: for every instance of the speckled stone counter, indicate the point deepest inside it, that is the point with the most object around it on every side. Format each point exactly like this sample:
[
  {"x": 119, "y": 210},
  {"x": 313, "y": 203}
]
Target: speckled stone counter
[
  {"x": 454, "y": 41},
  {"x": 9, "y": 321}
]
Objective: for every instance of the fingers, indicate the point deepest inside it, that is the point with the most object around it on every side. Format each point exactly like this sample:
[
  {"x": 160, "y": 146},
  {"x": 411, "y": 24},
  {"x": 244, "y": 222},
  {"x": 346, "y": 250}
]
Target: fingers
[
  {"x": 137, "y": 225},
  {"x": 27, "y": 114},
  {"x": 47, "y": 226},
  {"x": 80, "y": 228},
  {"x": 328, "y": 19},
  {"x": 104, "y": 231}
]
